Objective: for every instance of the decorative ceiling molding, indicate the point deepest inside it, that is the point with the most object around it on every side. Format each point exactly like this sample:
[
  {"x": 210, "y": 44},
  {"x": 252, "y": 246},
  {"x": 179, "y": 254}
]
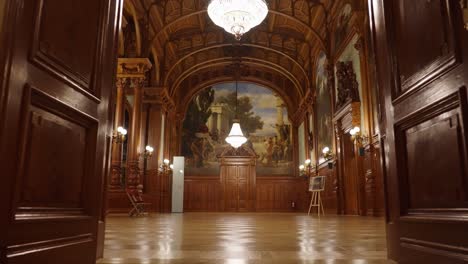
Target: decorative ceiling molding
[
  {"x": 245, "y": 60},
  {"x": 310, "y": 31},
  {"x": 179, "y": 61}
]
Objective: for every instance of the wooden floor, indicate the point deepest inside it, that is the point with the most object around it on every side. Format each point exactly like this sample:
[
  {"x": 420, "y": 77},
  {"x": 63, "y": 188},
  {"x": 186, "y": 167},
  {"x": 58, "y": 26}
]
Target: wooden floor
[{"x": 244, "y": 238}]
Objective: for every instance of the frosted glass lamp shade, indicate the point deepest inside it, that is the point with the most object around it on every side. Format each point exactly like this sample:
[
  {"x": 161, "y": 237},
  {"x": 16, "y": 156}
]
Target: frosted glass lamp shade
[{"x": 236, "y": 137}]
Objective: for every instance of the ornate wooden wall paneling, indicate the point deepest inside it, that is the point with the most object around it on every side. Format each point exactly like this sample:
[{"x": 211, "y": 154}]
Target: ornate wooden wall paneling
[
  {"x": 350, "y": 169},
  {"x": 152, "y": 194},
  {"x": 202, "y": 193},
  {"x": 238, "y": 181},
  {"x": 330, "y": 195},
  {"x": 275, "y": 194},
  {"x": 372, "y": 169}
]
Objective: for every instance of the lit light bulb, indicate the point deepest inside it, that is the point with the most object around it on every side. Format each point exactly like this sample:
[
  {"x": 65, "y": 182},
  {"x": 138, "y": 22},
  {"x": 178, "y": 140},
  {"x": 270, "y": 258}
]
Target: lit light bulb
[
  {"x": 149, "y": 148},
  {"x": 307, "y": 161},
  {"x": 236, "y": 137},
  {"x": 357, "y": 129},
  {"x": 121, "y": 130},
  {"x": 171, "y": 166},
  {"x": 301, "y": 167},
  {"x": 325, "y": 150},
  {"x": 352, "y": 132},
  {"x": 166, "y": 161}
]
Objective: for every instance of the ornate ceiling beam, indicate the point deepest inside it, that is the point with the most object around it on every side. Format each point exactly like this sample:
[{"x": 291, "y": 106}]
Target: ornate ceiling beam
[
  {"x": 229, "y": 60},
  {"x": 304, "y": 72},
  {"x": 310, "y": 30}
]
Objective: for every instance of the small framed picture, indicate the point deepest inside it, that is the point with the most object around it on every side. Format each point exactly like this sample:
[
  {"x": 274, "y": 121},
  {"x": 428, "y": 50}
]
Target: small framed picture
[{"x": 317, "y": 183}]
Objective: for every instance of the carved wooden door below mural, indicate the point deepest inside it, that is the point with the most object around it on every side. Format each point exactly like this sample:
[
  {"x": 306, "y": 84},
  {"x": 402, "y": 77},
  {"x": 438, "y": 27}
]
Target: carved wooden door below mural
[
  {"x": 236, "y": 188},
  {"x": 422, "y": 54},
  {"x": 58, "y": 68},
  {"x": 238, "y": 183}
]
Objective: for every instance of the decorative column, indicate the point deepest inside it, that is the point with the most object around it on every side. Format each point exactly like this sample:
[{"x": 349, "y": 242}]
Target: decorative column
[
  {"x": 116, "y": 164},
  {"x": 134, "y": 69}
]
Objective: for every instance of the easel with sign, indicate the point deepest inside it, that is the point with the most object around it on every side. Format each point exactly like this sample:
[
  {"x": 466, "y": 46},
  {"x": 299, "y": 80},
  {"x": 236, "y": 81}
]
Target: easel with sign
[{"x": 316, "y": 186}]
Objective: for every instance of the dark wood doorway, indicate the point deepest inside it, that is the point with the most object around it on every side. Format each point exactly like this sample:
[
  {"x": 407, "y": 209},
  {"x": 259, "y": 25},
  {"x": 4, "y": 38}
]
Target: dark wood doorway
[
  {"x": 421, "y": 53},
  {"x": 238, "y": 177},
  {"x": 58, "y": 61}
]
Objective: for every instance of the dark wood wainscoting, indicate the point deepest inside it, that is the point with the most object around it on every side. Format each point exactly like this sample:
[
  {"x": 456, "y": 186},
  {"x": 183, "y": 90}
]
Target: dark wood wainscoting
[
  {"x": 276, "y": 193},
  {"x": 273, "y": 193},
  {"x": 158, "y": 192},
  {"x": 202, "y": 193},
  {"x": 330, "y": 195},
  {"x": 374, "y": 188}
]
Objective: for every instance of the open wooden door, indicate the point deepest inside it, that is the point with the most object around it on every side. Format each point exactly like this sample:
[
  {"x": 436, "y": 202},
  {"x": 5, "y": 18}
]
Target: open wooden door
[
  {"x": 58, "y": 61},
  {"x": 421, "y": 52}
]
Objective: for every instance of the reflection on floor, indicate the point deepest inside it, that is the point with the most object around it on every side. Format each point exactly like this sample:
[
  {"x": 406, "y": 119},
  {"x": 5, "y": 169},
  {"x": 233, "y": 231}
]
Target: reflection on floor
[{"x": 244, "y": 238}]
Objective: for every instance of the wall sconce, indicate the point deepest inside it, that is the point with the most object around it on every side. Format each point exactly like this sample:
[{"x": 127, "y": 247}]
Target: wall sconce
[
  {"x": 301, "y": 168},
  {"x": 148, "y": 152},
  {"x": 328, "y": 156},
  {"x": 166, "y": 167},
  {"x": 358, "y": 139},
  {"x": 119, "y": 135}
]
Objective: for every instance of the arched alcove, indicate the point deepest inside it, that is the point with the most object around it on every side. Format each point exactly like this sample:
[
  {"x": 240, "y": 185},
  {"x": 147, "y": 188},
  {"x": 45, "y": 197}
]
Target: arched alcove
[{"x": 264, "y": 120}]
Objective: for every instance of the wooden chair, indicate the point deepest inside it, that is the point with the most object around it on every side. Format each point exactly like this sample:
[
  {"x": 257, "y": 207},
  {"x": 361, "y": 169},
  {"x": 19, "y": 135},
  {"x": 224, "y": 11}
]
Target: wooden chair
[{"x": 138, "y": 204}]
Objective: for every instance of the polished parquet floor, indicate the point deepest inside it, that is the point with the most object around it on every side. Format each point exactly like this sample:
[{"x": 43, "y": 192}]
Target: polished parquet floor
[{"x": 244, "y": 238}]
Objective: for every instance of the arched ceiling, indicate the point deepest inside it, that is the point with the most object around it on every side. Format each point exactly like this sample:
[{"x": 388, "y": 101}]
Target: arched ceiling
[{"x": 189, "y": 45}]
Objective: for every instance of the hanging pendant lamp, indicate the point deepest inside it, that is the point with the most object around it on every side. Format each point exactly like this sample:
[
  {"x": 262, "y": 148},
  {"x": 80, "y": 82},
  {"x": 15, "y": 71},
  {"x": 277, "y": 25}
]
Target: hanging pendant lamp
[
  {"x": 236, "y": 137},
  {"x": 237, "y": 16}
]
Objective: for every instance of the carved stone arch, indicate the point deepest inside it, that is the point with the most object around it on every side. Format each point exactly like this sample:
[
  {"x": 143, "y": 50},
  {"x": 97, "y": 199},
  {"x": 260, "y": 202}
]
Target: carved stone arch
[
  {"x": 284, "y": 56},
  {"x": 246, "y": 61}
]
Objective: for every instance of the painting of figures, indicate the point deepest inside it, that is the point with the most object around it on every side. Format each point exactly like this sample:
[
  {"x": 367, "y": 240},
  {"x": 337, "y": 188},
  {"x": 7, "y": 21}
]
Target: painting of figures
[
  {"x": 263, "y": 119},
  {"x": 324, "y": 110},
  {"x": 342, "y": 25}
]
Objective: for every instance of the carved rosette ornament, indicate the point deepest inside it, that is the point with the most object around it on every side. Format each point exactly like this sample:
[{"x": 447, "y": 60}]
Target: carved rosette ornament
[{"x": 347, "y": 85}]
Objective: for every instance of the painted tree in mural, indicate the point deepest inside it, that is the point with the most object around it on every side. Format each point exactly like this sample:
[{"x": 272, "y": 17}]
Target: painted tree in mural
[
  {"x": 250, "y": 122},
  {"x": 195, "y": 121}
]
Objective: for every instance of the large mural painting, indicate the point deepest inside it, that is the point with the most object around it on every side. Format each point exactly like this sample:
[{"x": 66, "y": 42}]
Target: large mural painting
[
  {"x": 324, "y": 110},
  {"x": 341, "y": 30},
  {"x": 264, "y": 121}
]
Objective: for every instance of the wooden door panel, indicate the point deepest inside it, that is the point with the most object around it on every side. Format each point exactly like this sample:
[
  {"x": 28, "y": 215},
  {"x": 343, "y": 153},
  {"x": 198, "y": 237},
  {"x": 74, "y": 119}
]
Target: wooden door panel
[
  {"x": 421, "y": 48},
  {"x": 56, "y": 158},
  {"x": 238, "y": 181},
  {"x": 58, "y": 27},
  {"x": 231, "y": 188},
  {"x": 429, "y": 23},
  {"x": 350, "y": 177},
  {"x": 59, "y": 73},
  {"x": 433, "y": 171}
]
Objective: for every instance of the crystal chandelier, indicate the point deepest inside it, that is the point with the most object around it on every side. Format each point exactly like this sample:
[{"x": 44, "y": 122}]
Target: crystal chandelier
[
  {"x": 237, "y": 16},
  {"x": 236, "y": 137}
]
